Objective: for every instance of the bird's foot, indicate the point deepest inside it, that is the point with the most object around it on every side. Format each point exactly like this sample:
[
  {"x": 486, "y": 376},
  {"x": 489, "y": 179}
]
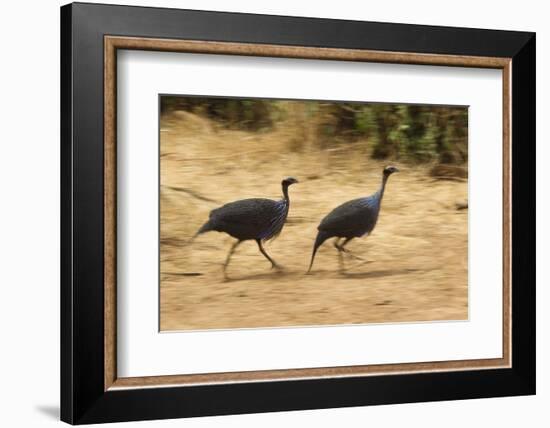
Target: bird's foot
[
  {"x": 277, "y": 267},
  {"x": 353, "y": 256},
  {"x": 365, "y": 262},
  {"x": 344, "y": 250}
]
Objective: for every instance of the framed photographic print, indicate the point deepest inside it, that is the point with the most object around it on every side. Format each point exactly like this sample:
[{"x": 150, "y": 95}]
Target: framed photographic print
[{"x": 265, "y": 213}]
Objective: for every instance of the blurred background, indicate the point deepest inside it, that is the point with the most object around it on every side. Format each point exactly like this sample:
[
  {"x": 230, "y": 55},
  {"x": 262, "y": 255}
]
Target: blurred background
[
  {"x": 217, "y": 150},
  {"x": 414, "y": 133}
]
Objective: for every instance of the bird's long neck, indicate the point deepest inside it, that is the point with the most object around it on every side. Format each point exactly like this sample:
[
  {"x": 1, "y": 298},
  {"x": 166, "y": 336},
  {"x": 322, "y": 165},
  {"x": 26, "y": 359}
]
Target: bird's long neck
[
  {"x": 383, "y": 186},
  {"x": 285, "y": 194}
]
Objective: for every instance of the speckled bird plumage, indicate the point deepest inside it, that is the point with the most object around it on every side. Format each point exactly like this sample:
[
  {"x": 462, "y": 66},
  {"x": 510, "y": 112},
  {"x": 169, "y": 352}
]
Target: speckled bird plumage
[
  {"x": 256, "y": 219},
  {"x": 352, "y": 219}
]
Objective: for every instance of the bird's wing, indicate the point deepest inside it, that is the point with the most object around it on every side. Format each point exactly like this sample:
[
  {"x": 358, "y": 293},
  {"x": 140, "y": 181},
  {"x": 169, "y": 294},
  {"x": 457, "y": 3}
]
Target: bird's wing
[
  {"x": 357, "y": 214},
  {"x": 254, "y": 212}
]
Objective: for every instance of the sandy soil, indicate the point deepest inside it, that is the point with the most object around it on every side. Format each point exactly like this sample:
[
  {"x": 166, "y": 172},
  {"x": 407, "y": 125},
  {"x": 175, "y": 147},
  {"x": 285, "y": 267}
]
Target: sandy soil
[{"x": 416, "y": 258}]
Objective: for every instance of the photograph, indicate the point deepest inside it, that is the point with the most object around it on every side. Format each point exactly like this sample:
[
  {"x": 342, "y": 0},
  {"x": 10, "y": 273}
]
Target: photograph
[{"x": 304, "y": 213}]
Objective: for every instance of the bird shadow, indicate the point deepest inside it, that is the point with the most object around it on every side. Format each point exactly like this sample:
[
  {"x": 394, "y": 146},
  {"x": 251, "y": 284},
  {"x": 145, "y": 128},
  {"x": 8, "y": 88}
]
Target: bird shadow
[
  {"x": 267, "y": 275},
  {"x": 49, "y": 410},
  {"x": 378, "y": 273},
  {"x": 182, "y": 273},
  {"x": 343, "y": 273}
]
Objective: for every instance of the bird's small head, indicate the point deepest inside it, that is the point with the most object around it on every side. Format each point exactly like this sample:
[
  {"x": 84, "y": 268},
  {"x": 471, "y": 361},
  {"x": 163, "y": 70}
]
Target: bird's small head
[
  {"x": 389, "y": 170},
  {"x": 288, "y": 181}
]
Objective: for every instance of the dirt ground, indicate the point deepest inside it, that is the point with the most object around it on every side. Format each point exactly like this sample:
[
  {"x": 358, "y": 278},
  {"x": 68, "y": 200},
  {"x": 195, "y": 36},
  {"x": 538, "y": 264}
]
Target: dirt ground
[{"x": 415, "y": 266}]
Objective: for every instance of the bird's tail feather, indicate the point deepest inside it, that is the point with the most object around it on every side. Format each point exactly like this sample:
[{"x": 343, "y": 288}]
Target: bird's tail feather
[
  {"x": 206, "y": 227},
  {"x": 321, "y": 237}
]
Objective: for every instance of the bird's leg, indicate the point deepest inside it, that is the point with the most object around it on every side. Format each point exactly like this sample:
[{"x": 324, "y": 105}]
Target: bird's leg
[
  {"x": 343, "y": 246},
  {"x": 348, "y": 252},
  {"x": 231, "y": 251},
  {"x": 340, "y": 257},
  {"x": 260, "y": 246}
]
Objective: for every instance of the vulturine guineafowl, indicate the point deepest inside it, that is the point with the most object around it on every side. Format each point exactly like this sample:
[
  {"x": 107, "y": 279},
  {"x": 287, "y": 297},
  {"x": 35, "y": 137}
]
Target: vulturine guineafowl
[
  {"x": 352, "y": 219},
  {"x": 256, "y": 218}
]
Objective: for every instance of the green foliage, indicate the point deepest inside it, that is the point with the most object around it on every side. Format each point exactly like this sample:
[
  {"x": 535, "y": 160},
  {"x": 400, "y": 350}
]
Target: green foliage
[
  {"x": 233, "y": 113},
  {"x": 415, "y": 133}
]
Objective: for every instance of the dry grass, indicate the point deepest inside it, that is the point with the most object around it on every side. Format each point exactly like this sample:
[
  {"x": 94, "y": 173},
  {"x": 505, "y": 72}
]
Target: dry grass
[{"x": 417, "y": 269}]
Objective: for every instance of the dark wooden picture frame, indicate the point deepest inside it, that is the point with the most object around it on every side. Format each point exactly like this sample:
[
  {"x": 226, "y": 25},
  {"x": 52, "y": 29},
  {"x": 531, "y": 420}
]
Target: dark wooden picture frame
[{"x": 90, "y": 389}]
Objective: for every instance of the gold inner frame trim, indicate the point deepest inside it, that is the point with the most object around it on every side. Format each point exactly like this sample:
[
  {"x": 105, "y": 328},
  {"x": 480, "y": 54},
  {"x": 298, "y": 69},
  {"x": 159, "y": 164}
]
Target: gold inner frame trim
[{"x": 113, "y": 43}]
